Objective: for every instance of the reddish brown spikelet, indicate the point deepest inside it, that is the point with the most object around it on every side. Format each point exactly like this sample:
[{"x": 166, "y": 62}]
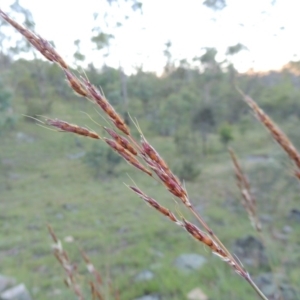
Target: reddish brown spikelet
[
  {"x": 76, "y": 84},
  {"x": 172, "y": 185},
  {"x": 97, "y": 96},
  {"x": 132, "y": 160},
  {"x": 40, "y": 44},
  {"x": 169, "y": 180},
  {"x": 153, "y": 155},
  {"x": 121, "y": 140},
  {"x": 49, "y": 52},
  {"x": 275, "y": 131},
  {"x": 114, "y": 145},
  {"x": 127, "y": 155},
  {"x": 57, "y": 58},
  {"x": 67, "y": 127},
  {"x": 202, "y": 237},
  {"x": 120, "y": 124},
  {"x": 155, "y": 204}
]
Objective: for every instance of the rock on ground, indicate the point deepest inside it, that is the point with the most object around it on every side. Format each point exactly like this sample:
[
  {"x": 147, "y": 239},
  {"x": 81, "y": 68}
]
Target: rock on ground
[
  {"x": 251, "y": 251},
  {"x": 144, "y": 276},
  {"x": 18, "y": 292},
  {"x": 190, "y": 262},
  {"x": 6, "y": 282},
  {"x": 149, "y": 297},
  {"x": 196, "y": 294},
  {"x": 275, "y": 287}
]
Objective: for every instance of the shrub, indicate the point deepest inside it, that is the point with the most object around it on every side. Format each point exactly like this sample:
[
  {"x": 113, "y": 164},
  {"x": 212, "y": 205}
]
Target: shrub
[
  {"x": 225, "y": 134},
  {"x": 7, "y": 119},
  {"x": 102, "y": 160},
  {"x": 187, "y": 169},
  {"x": 36, "y": 107}
]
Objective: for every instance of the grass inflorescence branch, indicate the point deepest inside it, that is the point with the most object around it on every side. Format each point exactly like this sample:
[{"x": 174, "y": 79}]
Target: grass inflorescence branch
[
  {"x": 249, "y": 200},
  {"x": 278, "y": 135}
]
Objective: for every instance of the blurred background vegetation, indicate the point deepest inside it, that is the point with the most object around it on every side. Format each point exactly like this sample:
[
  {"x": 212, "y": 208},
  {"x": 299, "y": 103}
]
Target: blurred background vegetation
[{"x": 191, "y": 113}]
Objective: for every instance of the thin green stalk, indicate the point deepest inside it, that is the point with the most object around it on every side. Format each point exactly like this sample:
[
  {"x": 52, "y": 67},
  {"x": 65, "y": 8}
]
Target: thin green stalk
[{"x": 256, "y": 288}]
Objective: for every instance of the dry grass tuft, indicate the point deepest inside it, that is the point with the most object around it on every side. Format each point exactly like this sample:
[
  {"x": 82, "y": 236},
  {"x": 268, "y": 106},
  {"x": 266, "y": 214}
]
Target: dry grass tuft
[
  {"x": 249, "y": 202},
  {"x": 98, "y": 289},
  {"x": 69, "y": 268},
  {"x": 97, "y": 285}
]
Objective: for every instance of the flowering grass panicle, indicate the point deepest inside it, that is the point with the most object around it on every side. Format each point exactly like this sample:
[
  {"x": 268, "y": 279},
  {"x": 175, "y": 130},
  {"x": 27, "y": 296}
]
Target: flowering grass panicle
[{"x": 139, "y": 153}]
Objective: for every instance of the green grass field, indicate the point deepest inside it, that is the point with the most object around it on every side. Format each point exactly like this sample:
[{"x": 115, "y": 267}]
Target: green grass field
[{"x": 41, "y": 182}]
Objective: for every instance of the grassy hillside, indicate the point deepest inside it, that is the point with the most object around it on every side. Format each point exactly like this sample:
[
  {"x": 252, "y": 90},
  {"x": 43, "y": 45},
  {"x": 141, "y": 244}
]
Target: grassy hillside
[{"x": 43, "y": 180}]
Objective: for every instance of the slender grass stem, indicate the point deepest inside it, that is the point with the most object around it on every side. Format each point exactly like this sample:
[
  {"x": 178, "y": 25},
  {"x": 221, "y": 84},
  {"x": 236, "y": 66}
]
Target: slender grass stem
[{"x": 256, "y": 288}]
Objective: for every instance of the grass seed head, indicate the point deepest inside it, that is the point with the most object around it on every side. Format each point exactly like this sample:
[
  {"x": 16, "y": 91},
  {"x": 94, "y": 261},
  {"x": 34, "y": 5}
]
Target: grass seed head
[
  {"x": 155, "y": 204},
  {"x": 153, "y": 154},
  {"x": 249, "y": 201},
  {"x": 99, "y": 98},
  {"x": 121, "y": 140},
  {"x": 76, "y": 84},
  {"x": 67, "y": 127},
  {"x": 172, "y": 185},
  {"x": 149, "y": 152},
  {"x": 127, "y": 155},
  {"x": 275, "y": 131},
  {"x": 43, "y": 46},
  {"x": 202, "y": 237}
]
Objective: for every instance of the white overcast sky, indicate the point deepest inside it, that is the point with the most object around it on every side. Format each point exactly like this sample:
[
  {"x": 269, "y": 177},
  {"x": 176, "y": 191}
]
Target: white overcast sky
[{"x": 188, "y": 24}]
